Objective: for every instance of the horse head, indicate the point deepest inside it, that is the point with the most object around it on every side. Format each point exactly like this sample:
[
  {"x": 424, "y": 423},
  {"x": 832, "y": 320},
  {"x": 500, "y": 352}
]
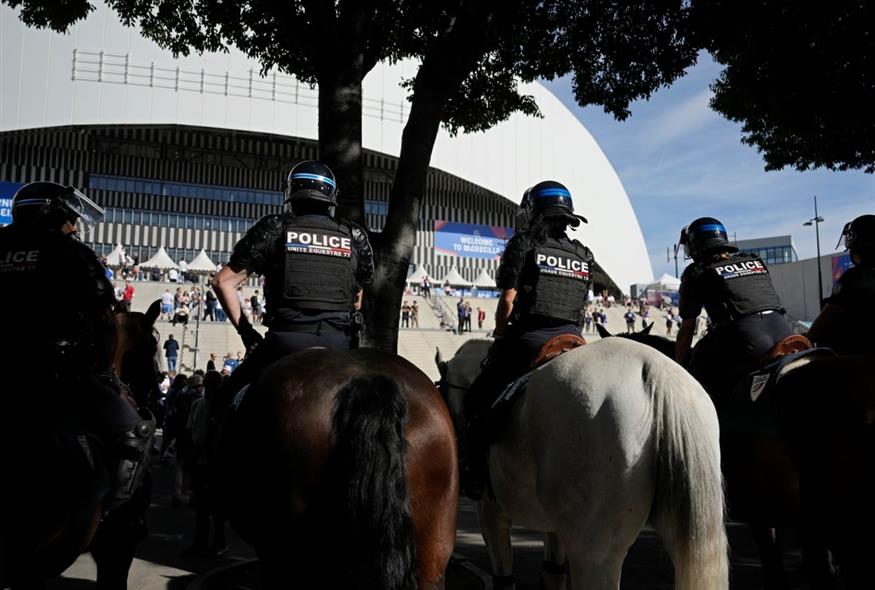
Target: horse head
[
  {"x": 136, "y": 355},
  {"x": 603, "y": 332},
  {"x": 459, "y": 372},
  {"x": 660, "y": 343}
]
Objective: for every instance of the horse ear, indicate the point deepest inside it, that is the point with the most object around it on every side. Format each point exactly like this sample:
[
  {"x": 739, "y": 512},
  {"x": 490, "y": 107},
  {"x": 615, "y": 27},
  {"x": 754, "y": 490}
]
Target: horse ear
[
  {"x": 647, "y": 329},
  {"x": 603, "y": 332},
  {"x": 153, "y": 312},
  {"x": 440, "y": 362}
]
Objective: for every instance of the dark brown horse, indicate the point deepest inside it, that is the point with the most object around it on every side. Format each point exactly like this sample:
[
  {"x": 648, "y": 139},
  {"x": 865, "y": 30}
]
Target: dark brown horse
[
  {"x": 341, "y": 472},
  {"x": 827, "y": 414},
  {"x": 51, "y": 508},
  {"x": 814, "y": 472}
]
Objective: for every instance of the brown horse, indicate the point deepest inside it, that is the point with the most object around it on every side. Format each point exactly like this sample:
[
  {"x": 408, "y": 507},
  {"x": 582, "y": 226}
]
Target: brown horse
[
  {"x": 54, "y": 511},
  {"x": 341, "y": 469},
  {"x": 814, "y": 472},
  {"x": 827, "y": 414}
]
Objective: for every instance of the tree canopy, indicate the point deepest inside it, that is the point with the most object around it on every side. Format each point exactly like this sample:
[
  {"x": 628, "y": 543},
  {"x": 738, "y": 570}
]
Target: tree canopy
[
  {"x": 799, "y": 77},
  {"x": 473, "y": 55}
]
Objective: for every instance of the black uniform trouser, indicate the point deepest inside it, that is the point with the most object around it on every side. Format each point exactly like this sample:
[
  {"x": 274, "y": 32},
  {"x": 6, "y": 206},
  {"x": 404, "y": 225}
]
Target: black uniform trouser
[
  {"x": 276, "y": 345},
  {"x": 731, "y": 351},
  {"x": 509, "y": 358}
]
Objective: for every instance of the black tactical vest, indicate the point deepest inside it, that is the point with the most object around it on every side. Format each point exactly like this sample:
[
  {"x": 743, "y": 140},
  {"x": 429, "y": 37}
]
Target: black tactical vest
[
  {"x": 61, "y": 279},
  {"x": 554, "y": 281},
  {"x": 317, "y": 271},
  {"x": 743, "y": 287}
]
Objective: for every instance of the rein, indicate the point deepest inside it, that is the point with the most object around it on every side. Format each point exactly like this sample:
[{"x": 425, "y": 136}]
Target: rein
[{"x": 442, "y": 383}]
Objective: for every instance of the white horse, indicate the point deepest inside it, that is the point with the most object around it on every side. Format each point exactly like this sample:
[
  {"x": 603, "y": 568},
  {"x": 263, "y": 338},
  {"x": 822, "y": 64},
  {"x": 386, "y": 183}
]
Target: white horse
[{"x": 607, "y": 438}]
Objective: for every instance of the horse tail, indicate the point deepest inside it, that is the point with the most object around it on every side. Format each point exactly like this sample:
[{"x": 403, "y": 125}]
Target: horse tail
[
  {"x": 369, "y": 479},
  {"x": 688, "y": 509}
]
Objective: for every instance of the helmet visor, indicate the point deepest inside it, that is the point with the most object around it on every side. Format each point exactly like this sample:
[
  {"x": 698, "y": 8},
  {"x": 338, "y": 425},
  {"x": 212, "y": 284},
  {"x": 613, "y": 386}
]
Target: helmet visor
[
  {"x": 843, "y": 239},
  {"x": 83, "y": 207}
]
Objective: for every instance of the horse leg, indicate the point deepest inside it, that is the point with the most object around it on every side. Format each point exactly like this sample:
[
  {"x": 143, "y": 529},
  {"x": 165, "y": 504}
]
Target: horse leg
[
  {"x": 115, "y": 543},
  {"x": 495, "y": 526},
  {"x": 770, "y": 556},
  {"x": 816, "y": 562},
  {"x": 554, "y": 568},
  {"x": 113, "y": 552}
]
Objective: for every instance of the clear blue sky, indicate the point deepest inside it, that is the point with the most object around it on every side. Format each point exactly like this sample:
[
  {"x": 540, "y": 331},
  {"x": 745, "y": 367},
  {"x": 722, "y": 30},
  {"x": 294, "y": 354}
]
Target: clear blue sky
[{"x": 679, "y": 160}]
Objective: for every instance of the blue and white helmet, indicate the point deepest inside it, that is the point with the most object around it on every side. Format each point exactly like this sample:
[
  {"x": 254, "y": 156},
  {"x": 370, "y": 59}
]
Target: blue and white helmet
[
  {"x": 705, "y": 235},
  {"x": 547, "y": 199},
  {"x": 313, "y": 181}
]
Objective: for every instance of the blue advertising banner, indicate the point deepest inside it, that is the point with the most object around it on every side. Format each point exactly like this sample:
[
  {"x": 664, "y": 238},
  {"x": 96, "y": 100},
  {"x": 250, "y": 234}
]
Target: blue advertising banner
[
  {"x": 470, "y": 241},
  {"x": 7, "y": 191},
  {"x": 840, "y": 263}
]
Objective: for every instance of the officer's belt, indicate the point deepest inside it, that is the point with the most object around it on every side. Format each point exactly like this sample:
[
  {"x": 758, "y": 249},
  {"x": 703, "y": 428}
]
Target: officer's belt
[{"x": 311, "y": 327}]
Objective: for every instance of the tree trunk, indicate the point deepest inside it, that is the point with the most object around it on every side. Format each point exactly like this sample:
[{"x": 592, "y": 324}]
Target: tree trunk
[
  {"x": 340, "y": 138},
  {"x": 443, "y": 69},
  {"x": 395, "y": 245}
]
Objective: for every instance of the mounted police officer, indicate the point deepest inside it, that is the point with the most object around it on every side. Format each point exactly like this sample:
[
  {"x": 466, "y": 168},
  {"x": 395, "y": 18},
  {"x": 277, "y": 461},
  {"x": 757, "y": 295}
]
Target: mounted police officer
[
  {"x": 544, "y": 277},
  {"x": 745, "y": 311},
  {"x": 839, "y": 325},
  {"x": 315, "y": 267},
  {"x": 67, "y": 334}
]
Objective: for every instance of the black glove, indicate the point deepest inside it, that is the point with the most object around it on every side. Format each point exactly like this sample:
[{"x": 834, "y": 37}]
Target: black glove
[{"x": 250, "y": 336}]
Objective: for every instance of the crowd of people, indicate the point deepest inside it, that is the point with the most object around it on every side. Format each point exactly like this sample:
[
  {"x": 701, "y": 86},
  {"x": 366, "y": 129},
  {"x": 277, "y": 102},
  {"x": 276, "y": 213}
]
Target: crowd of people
[
  {"x": 171, "y": 348},
  {"x": 191, "y": 419}
]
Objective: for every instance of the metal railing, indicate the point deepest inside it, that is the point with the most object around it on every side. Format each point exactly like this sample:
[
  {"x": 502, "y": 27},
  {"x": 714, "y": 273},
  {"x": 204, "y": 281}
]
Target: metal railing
[{"x": 111, "y": 68}]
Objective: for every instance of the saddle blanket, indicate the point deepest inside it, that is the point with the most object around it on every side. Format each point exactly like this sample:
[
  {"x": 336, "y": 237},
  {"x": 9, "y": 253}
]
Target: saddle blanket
[
  {"x": 500, "y": 409},
  {"x": 751, "y": 405}
]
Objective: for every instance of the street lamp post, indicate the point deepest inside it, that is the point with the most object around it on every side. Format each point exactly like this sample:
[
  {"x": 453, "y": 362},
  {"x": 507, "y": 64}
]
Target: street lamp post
[
  {"x": 816, "y": 221},
  {"x": 668, "y": 257}
]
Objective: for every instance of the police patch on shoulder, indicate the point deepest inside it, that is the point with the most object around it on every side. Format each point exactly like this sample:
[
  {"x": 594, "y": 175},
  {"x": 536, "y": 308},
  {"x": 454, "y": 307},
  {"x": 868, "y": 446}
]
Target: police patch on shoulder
[
  {"x": 734, "y": 270},
  {"x": 562, "y": 266},
  {"x": 323, "y": 244}
]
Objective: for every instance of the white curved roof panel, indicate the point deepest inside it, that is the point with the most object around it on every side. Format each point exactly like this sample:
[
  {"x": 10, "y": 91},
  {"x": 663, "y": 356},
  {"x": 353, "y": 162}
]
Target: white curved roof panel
[{"x": 104, "y": 73}]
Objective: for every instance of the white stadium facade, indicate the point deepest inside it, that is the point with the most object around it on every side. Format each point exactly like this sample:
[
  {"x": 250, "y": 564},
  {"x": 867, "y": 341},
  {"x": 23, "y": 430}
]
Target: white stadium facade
[{"x": 186, "y": 153}]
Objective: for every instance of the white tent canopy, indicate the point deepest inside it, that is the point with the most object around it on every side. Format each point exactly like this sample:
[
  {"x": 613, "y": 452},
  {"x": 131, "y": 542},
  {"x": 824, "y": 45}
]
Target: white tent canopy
[
  {"x": 455, "y": 279},
  {"x": 668, "y": 282},
  {"x": 160, "y": 261},
  {"x": 202, "y": 263},
  {"x": 116, "y": 257},
  {"x": 417, "y": 275},
  {"x": 484, "y": 281}
]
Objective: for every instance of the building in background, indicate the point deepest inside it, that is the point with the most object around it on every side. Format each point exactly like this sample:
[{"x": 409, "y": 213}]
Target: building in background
[
  {"x": 774, "y": 250},
  {"x": 187, "y": 153}
]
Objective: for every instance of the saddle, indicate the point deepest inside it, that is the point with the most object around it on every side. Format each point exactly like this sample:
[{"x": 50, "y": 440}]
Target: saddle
[
  {"x": 789, "y": 345},
  {"x": 556, "y": 346},
  {"x": 751, "y": 407}
]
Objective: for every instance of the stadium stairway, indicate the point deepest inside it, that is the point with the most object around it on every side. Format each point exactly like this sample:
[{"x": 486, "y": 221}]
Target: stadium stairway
[{"x": 416, "y": 345}]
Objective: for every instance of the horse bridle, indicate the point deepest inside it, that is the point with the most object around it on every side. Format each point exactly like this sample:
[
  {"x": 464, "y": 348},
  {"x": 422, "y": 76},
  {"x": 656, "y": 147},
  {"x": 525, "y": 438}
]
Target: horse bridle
[{"x": 442, "y": 382}]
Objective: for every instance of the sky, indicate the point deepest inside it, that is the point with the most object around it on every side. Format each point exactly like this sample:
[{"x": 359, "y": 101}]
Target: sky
[{"x": 679, "y": 160}]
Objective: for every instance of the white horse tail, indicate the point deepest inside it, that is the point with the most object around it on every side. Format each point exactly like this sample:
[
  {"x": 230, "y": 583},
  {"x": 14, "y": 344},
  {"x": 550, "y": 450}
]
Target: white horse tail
[{"x": 688, "y": 509}]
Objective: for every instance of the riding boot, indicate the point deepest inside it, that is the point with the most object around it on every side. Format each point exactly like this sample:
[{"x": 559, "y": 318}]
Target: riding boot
[{"x": 473, "y": 464}]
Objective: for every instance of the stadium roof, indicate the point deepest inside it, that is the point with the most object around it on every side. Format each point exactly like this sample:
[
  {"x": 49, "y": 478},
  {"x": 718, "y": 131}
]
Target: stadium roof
[{"x": 103, "y": 73}]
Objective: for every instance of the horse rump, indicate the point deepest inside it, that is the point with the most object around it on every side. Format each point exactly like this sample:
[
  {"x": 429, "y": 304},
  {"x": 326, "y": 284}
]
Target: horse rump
[{"x": 367, "y": 477}]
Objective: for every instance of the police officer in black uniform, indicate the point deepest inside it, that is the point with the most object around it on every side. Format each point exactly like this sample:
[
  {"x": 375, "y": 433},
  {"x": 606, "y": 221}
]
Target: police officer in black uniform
[
  {"x": 843, "y": 322},
  {"x": 544, "y": 277},
  {"x": 67, "y": 334},
  {"x": 315, "y": 267},
  {"x": 745, "y": 311}
]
